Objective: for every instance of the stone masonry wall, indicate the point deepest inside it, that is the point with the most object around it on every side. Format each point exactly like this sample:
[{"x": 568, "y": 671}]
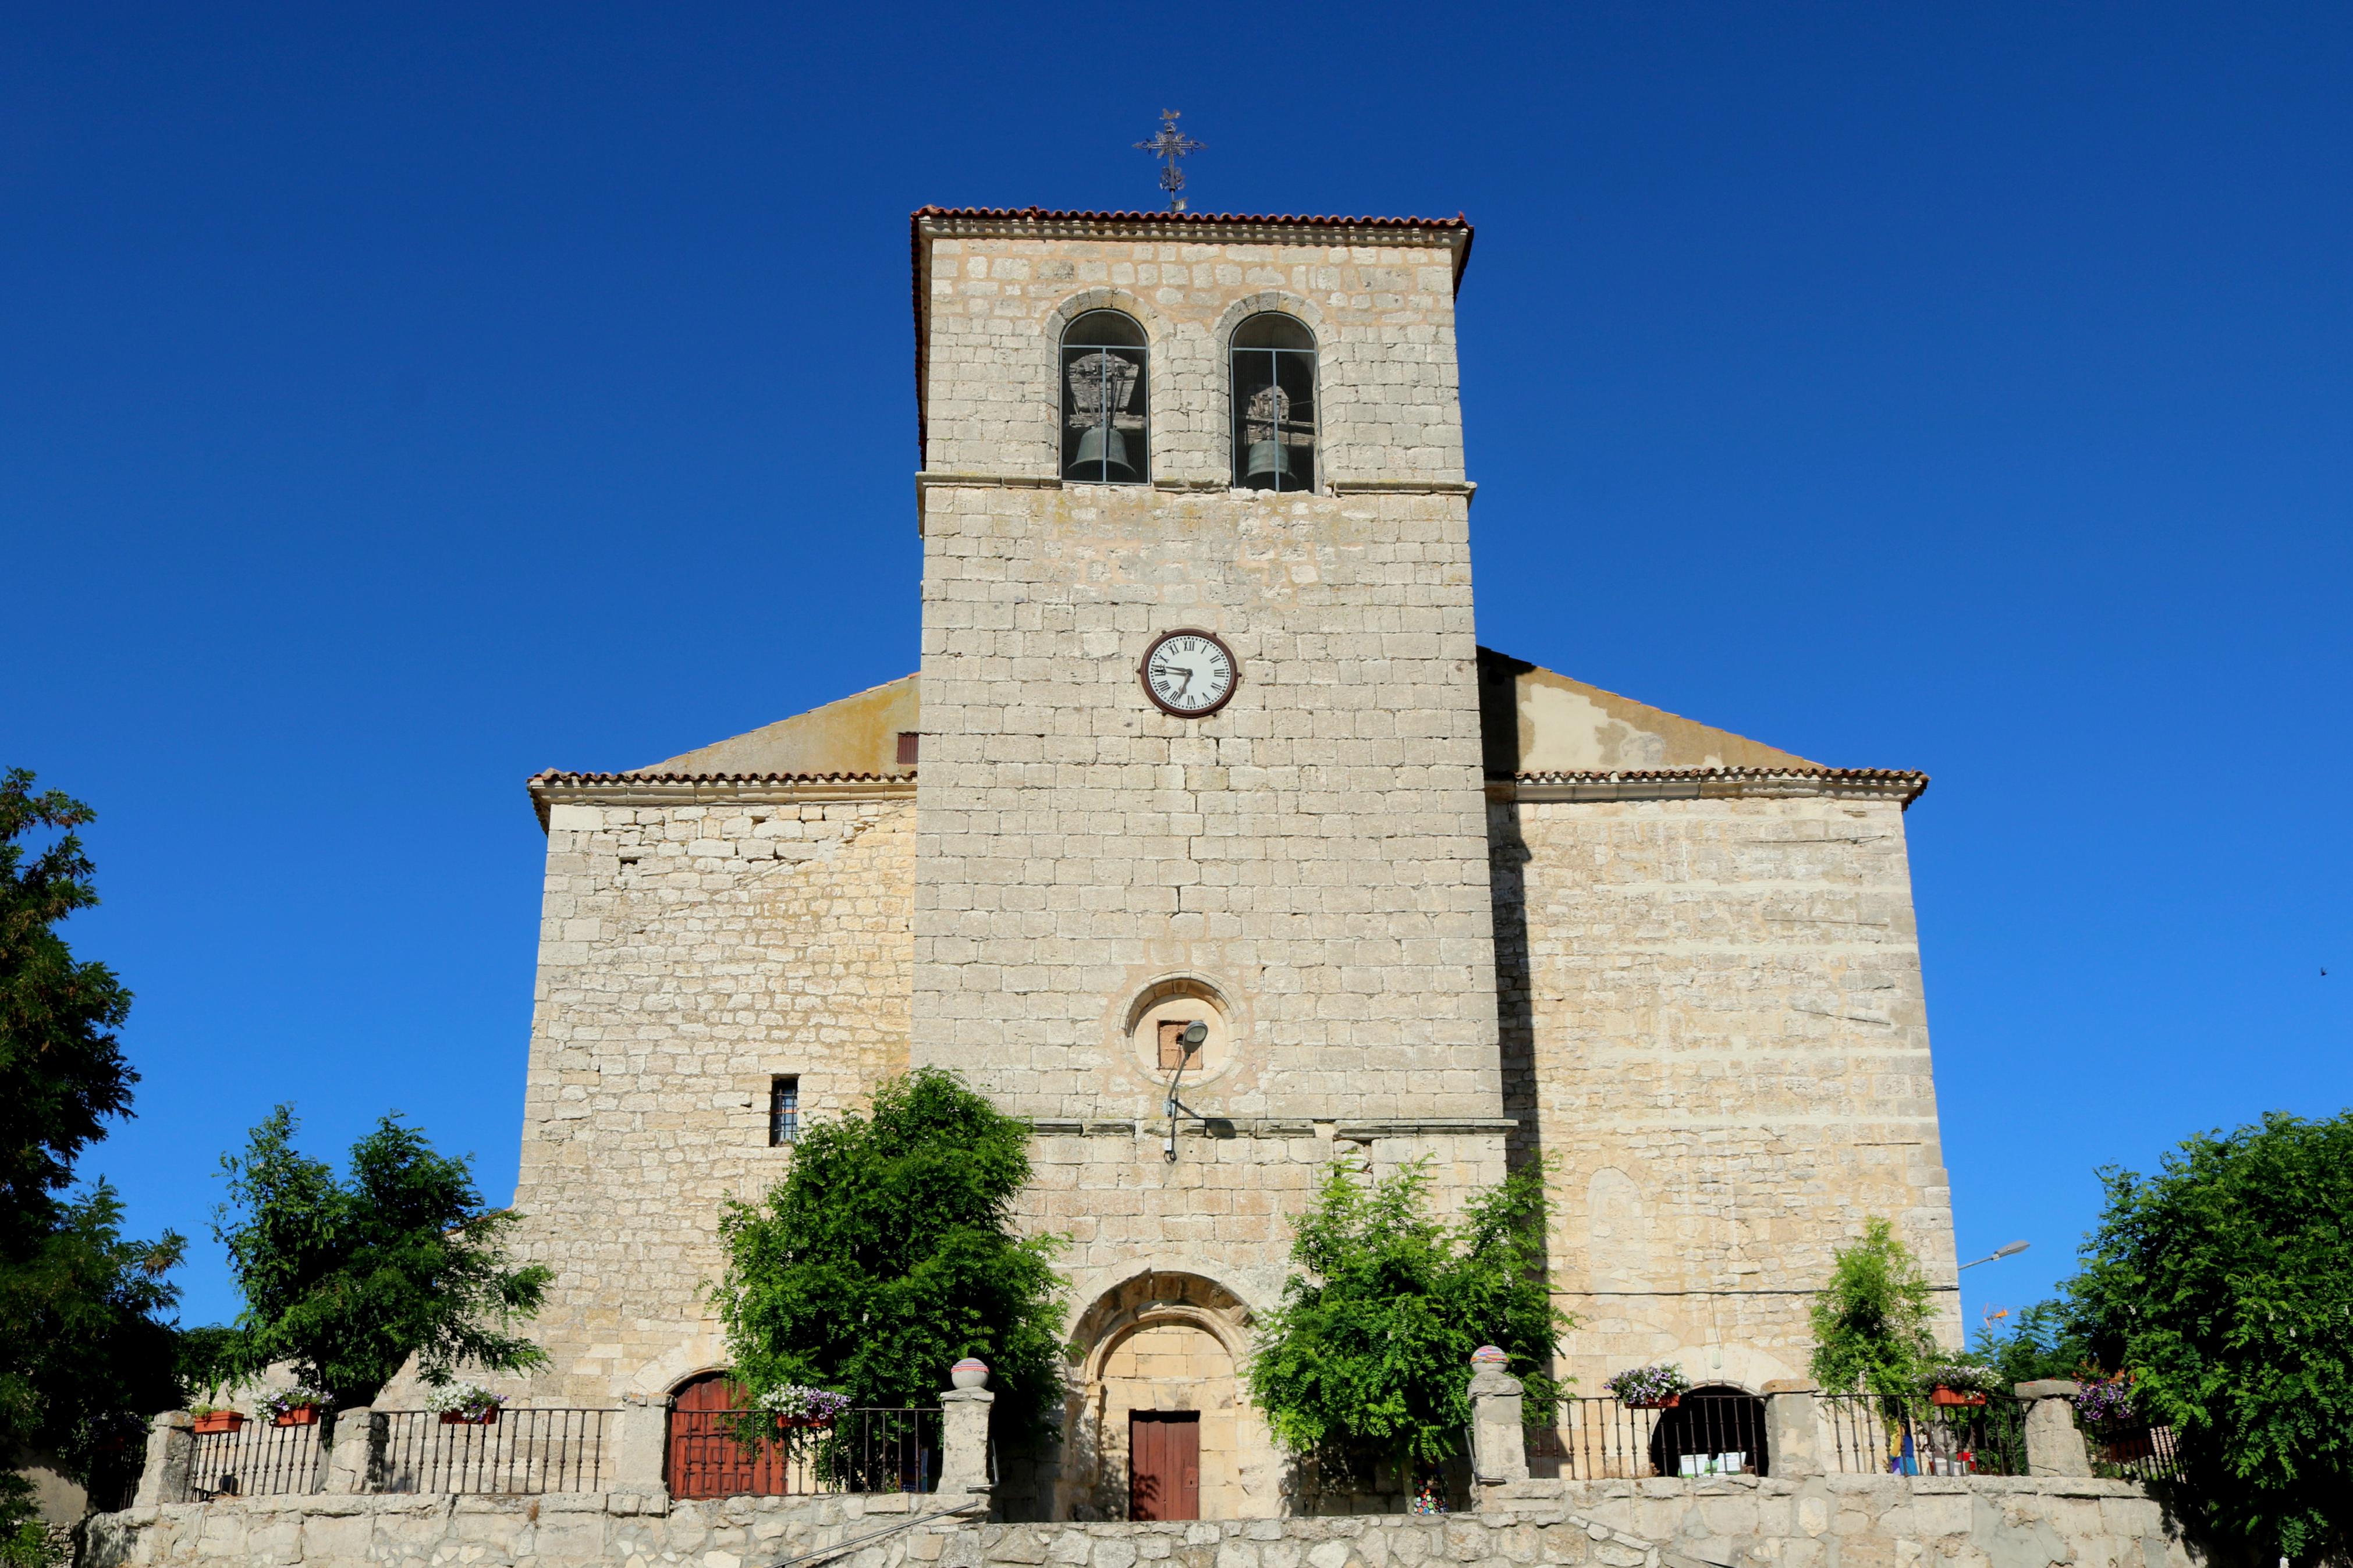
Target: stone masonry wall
[
  {"x": 1317, "y": 849},
  {"x": 688, "y": 953},
  {"x": 1850, "y": 1521},
  {"x": 1383, "y": 316},
  {"x": 1712, "y": 1009}
]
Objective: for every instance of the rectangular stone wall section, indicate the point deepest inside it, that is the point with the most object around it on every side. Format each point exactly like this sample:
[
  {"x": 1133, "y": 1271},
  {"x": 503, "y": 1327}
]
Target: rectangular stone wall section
[
  {"x": 687, "y": 954},
  {"x": 1821, "y": 1523},
  {"x": 1712, "y": 1019},
  {"x": 1317, "y": 849},
  {"x": 1382, "y": 312}
]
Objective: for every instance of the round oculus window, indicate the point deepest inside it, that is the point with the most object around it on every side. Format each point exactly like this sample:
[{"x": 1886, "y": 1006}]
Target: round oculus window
[{"x": 1189, "y": 673}]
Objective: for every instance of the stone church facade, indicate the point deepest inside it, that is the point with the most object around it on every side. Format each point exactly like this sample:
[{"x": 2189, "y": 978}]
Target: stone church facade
[{"x": 1428, "y": 901}]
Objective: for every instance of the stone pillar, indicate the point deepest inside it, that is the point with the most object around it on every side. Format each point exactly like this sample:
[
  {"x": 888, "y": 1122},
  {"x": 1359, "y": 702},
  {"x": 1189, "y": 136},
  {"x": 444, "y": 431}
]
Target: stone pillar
[
  {"x": 2054, "y": 1446},
  {"x": 355, "y": 1462},
  {"x": 1499, "y": 1447},
  {"x": 1793, "y": 1429},
  {"x": 964, "y": 1411},
  {"x": 171, "y": 1449},
  {"x": 641, "y": 1440}
]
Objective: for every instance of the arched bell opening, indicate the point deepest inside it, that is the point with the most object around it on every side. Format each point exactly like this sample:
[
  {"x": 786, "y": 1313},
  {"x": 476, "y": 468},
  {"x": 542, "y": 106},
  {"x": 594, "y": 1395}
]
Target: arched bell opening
[
  {"x": 1160, "y": 1426},
  {"x": 1274, "y": 403},
  {"x": 1106, "y": 400},
  {"x": 1717, "y": 1430}
]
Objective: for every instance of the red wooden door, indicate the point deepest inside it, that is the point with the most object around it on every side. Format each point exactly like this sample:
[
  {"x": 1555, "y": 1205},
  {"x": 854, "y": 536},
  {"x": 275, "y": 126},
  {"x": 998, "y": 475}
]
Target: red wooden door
[
  {"x": 1164, "y": 1464},
  {"x": 705, "y": 1459}
]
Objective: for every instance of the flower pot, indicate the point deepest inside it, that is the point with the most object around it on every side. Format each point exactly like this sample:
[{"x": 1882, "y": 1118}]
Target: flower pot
[
  {"x": 300, "y": 1415},
  {"x": 1669, "y": 1403},
  {"x": 1941, "y": 1395},
  {"x": 795, "y": 1423},
  {"x": 212, "y": 1421},
  {"x": 463, "y": 1419}
]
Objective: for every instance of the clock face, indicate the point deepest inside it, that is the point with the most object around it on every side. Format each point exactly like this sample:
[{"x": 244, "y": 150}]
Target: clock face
[{"x": 1189, "y": 673}]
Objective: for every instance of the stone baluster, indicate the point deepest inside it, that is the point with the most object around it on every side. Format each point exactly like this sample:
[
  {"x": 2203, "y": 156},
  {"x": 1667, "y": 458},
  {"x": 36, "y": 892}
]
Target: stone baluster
[
  {"x": 640, "y": 1444},
  {"x": 1793, "y": 1429},
  {"x": 355, "y": 1463},
  {"x": 1499, "y": 1449},
  {"x": 963, "y": 1410},
  {"x": 2053, "y": 1445},
  {"x": 171, "y": 1451}
]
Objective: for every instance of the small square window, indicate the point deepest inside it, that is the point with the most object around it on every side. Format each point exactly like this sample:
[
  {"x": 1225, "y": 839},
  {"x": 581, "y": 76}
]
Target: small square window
[
  {"x": 911, "y": 743},
  {"x": 1174, "y": 1052},
  {"x": 784, "y": 1111}
]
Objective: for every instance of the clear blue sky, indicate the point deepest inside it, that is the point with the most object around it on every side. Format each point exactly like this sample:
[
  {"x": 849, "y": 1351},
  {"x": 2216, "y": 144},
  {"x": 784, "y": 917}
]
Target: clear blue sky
[{"x": 398, "y": 400}]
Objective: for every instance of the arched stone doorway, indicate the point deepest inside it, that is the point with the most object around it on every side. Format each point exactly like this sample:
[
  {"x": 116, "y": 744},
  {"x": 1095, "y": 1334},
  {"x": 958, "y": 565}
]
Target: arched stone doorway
[{"x": 1159, "y": 1424}]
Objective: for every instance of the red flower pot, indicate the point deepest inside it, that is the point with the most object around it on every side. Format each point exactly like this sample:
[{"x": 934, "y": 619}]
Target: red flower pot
[
  {"x": 1941, "y": 1395},
  {"x": 1669, "y": 1403},
  {"x": 212, "y": 1421},
  {"x": 790, "y": 1423},
  {"x": 300, "y": 1415},
  {"x": 459, "y": 1418}
]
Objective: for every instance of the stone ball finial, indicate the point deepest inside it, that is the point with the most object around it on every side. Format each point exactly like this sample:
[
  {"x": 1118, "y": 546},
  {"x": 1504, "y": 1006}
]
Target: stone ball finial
[
  {"x": 1490, "y": 1356},
  {"x": 970, "y": 1373}
]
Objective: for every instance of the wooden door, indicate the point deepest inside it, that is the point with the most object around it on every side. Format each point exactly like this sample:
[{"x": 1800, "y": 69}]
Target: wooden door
[
  {"x": 1164, "y": 1464},
  {"x": 705, "y": 1460}
]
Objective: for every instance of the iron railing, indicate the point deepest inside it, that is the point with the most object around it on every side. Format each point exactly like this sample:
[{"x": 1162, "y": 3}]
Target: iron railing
[
  {"x": 258, "y": 1459},
  {"x": 1872, "y": 1433},
  {"x": 2130, "y": 1450},
  {"x": 747, "y": 1453},
  {"x": 1700, "y": 1435},
  {"x": 518, "y": 1452}
]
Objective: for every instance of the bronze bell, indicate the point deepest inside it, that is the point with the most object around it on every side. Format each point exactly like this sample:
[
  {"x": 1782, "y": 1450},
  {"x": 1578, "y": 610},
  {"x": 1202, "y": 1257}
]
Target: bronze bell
[
  {"x": 1268, "y": 458},
  {"x": 1103, "y": 453}
]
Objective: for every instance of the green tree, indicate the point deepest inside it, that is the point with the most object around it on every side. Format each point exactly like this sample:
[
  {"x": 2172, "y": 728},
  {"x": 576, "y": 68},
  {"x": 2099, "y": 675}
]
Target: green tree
[
  {"x": 2223, "y": 1286},
  {"x": 1871, "y": 1321},
  {"x": 887, "y": 1252},
  {"x": 23, "y": 1543},
  {"x": 84, "y": 1352},
  {"x": 1369, "y": 1355},
  {"x": 2040, "y": 1341},
  {"x": 347, "y": 1278}
]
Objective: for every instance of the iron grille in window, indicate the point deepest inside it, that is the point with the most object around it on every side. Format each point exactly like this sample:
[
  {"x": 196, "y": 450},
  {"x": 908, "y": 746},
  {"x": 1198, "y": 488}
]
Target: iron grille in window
[
  {"x": 783, "y": 1110},
  {"x": 1274, "y": 405},
  {"x": 1106, "y": 396}
]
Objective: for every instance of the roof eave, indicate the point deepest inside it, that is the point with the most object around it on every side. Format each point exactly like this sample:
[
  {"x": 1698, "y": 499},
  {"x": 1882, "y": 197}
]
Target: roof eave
[{"x": 1900, "y": 784}]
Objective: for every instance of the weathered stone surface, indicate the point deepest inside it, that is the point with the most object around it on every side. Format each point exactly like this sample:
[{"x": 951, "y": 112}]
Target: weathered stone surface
[
  {"x": 1980, "y": 1522},
  {"x": 1713, "y": 1010},
  {"x": 1706, "y": 1011}
]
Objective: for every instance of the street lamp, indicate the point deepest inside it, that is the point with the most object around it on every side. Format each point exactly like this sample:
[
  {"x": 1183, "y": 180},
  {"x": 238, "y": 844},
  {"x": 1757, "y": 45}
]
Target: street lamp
[{"x": 2013, "y": 1248}]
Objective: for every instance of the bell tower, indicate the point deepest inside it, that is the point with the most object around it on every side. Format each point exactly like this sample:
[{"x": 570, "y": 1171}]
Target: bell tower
[{"x": 1202, "y": 805}]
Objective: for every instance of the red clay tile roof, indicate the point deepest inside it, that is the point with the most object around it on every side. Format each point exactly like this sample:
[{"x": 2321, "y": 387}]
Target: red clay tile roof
[
  {"x": 1058, "y": 214},
  {"x": 1911, "y": 783},
  {"x": 555, "y": 777}
]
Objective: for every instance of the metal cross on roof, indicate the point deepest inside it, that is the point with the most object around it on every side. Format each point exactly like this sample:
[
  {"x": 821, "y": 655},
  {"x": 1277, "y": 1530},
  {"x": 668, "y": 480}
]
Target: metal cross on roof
[{"x": 1171, "y": 145}]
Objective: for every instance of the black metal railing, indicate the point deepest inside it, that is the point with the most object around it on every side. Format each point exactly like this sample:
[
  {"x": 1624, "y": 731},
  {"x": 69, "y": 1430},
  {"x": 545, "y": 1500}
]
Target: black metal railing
[
  {"x": 1700, "y": 1435},
  {"x": 2130, "y": 1450},
  {"x": 1872, "y": 1433},
  {"x": 521, "y": 1451},
  {"x": 747, "y": 1453},
  {"x": 112, "y": 1488},
  {"x": 257, "y": 1460}
]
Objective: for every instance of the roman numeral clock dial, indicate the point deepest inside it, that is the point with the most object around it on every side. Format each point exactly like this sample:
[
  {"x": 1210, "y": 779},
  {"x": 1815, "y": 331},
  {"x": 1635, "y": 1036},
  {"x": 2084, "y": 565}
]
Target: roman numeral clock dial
[{"x": 1189, "y": 673}]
